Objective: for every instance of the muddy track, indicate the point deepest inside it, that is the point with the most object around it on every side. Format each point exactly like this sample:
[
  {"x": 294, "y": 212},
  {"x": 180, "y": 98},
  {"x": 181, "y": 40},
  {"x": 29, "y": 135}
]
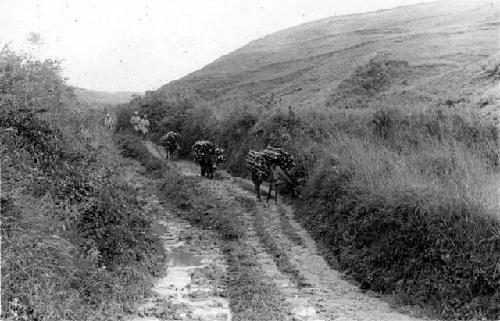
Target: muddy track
[
  {"x": 288, "y": 256},
  {"x": 192, "y": 287}
]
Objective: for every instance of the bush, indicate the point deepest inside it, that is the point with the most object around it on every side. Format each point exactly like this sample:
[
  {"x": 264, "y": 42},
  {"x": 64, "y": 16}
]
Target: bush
[
  {"x": 75, "y": 245},
  {"x": 388, "y": 192},
  {"x": 131, "y": 146},
  {"x": 395, "y": 235}
]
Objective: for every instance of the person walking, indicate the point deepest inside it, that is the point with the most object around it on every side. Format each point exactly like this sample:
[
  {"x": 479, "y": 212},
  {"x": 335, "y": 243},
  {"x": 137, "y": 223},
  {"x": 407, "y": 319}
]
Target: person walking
[
  {"x": 144, "y": 125},
  {"x": 108, "y": 121},
  {"x": 135, "y": 121}
]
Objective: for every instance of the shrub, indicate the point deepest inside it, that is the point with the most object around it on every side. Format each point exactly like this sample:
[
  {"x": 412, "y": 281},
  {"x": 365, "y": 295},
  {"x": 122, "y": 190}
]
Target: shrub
[
  {"x": 131, "y": 146},
  {"x": 395, "y": 232},
  {"x": 75, "y": 245},
  {"x": 386, "y": 191}
]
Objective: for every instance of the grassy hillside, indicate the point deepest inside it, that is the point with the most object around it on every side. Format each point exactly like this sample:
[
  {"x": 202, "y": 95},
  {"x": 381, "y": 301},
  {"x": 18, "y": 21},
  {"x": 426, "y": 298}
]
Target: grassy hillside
[
  {"x": 94, "y": 97},
  {"x": 393, "y": 121},
  {"x": 444, "y": 45}
]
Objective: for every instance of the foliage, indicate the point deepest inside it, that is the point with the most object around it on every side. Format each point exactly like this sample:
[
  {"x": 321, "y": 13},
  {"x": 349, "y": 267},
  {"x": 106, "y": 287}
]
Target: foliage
[
  {"x": 131, "y": 146},
  {"x": 31, "y": 84},
  {"x": 405, "y": 174},
  {"x": 75, "y": 242},
  {"x": 428, "y": 248}
]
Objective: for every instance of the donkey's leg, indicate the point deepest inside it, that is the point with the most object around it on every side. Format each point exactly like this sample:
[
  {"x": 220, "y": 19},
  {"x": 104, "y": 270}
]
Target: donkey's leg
[
  {"x": 270, "y": 190},
  {"x": 276, "y": 193},
  {"x": 257, "y": 190}
]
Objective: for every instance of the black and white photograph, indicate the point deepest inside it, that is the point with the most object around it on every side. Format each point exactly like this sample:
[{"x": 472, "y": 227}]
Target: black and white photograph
[{"x": 236, "y": 160}]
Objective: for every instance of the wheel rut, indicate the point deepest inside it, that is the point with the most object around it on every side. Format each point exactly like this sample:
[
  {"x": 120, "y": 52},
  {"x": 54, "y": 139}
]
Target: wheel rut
[{"x": 192, "y": 287}]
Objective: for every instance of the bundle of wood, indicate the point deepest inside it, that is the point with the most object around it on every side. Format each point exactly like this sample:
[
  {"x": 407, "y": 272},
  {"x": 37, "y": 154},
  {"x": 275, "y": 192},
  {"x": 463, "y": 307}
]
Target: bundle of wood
[
  {"x": 256, "y": 161},
  {"x": 171, "y": 139},
  {"x": 278, "y": 156},
  {"x": 263, "y": 160},
  {"x": 202, "y": 148}
]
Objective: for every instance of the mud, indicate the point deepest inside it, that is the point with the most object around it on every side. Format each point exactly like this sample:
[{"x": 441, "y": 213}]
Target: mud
[{"x": 192, "y": 287}]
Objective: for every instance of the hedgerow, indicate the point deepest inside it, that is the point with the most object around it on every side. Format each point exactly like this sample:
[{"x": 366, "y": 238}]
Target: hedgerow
[{"x": 76, "y": 244}]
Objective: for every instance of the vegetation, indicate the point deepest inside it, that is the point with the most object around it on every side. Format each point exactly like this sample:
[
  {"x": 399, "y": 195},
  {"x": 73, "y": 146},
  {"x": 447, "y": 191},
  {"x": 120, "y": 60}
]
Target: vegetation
[
  {"x": 403, "y": 200},
  {"x": 75, "y": 243},
  {"x": 252, "y": 296},
  {"x": 131, "y": 146}
]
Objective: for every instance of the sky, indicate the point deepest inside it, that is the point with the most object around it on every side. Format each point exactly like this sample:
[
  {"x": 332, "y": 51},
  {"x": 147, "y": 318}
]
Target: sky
[{"x": 138, "y": 45}]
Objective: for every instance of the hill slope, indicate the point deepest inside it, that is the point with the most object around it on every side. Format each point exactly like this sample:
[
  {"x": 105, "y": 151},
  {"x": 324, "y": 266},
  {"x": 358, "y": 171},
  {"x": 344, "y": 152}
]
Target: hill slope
[
  {"x": 426, "y": 52},
  {"x": 94, "y": 97}
]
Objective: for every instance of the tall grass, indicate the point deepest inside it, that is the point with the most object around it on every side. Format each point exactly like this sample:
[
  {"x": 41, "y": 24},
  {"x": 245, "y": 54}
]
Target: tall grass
[
  {"x": 405, "y": 199},
  {"x": 76, "y": 244}
]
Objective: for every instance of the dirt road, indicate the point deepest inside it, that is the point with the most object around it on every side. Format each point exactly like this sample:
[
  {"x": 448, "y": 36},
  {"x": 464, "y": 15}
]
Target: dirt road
[{"x": 288, "y": 255}]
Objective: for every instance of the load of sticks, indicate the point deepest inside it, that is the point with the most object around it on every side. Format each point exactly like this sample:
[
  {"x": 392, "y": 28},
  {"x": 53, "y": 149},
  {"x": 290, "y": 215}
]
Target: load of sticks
[
  {"x": 262, "y": 160},
  {"x": 257, "y": 162},
  {"x": 202, "y": 148},
  {"x": 171, "y": 139}
]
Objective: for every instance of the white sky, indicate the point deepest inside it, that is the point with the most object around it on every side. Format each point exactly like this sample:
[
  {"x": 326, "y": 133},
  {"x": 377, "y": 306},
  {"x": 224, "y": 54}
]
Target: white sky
[{"x": 137, "y": 45}]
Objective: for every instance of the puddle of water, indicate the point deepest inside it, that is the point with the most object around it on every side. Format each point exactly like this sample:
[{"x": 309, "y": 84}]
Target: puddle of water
[
  {"x": 215, "y": 314},
  {"x": 184, "y": 259},
  {"x": 177, "y": 278},
  {"x": 303, "y": 311}
]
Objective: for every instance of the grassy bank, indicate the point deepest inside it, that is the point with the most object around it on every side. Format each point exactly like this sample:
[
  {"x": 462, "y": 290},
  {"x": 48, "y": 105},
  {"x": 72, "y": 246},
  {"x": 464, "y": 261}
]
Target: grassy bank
[
  {"x": 392, "y": 194},
  {"x": 76, "y": 244}
]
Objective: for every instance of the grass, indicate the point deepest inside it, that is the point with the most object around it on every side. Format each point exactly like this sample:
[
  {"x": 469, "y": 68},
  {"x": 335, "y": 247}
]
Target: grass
[
  {"x": 411, "y": 199},
  {"x": 252, "y": 295},
  {"x": 75, "y": 242},
  {"x": 389, "y": 172},
  {"x": 131, "y": 146},
  {"x": 277, "y": 252},
  {"x": 411, "y": 160}
]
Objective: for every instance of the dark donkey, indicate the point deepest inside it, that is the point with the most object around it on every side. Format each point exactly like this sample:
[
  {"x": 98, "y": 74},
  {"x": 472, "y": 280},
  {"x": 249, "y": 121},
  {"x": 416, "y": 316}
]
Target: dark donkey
[
  {"x": 207, "y": 163},
  {"x": 172, "y": 144},
  {"x": 273, "y": 176},
  {"x": 208, "y": 156}
]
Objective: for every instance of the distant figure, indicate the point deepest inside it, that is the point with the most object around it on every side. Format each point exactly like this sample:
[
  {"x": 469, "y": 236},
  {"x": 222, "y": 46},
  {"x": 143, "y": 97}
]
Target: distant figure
[
  {"x": 108, "y": 121},
  {"x": 144, "y": 125},
  {"x": 135, "y": 121}
]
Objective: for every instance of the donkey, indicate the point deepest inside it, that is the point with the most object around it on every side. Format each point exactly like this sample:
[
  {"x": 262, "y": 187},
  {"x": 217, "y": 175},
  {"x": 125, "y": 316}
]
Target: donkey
[
  {"x": 170, "y": 149},
  {"x": 274, "y": 176},
  {"x": 171, "y": 143},
  {"x": 209, "y": 161},
  {"x": 207, "y": 164}
]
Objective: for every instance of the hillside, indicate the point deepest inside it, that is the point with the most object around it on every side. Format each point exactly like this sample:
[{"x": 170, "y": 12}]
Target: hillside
[
  {"x": 435, "y": 51},
  {"x": 395, "y": 163},
  {"x": 94, "y": 97}
]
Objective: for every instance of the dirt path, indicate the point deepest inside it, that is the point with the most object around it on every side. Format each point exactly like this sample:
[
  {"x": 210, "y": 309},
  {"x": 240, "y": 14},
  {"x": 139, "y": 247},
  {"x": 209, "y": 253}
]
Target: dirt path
[
  {"x": 288, "y": 255},
  {"x": 192, "y": 287}
]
